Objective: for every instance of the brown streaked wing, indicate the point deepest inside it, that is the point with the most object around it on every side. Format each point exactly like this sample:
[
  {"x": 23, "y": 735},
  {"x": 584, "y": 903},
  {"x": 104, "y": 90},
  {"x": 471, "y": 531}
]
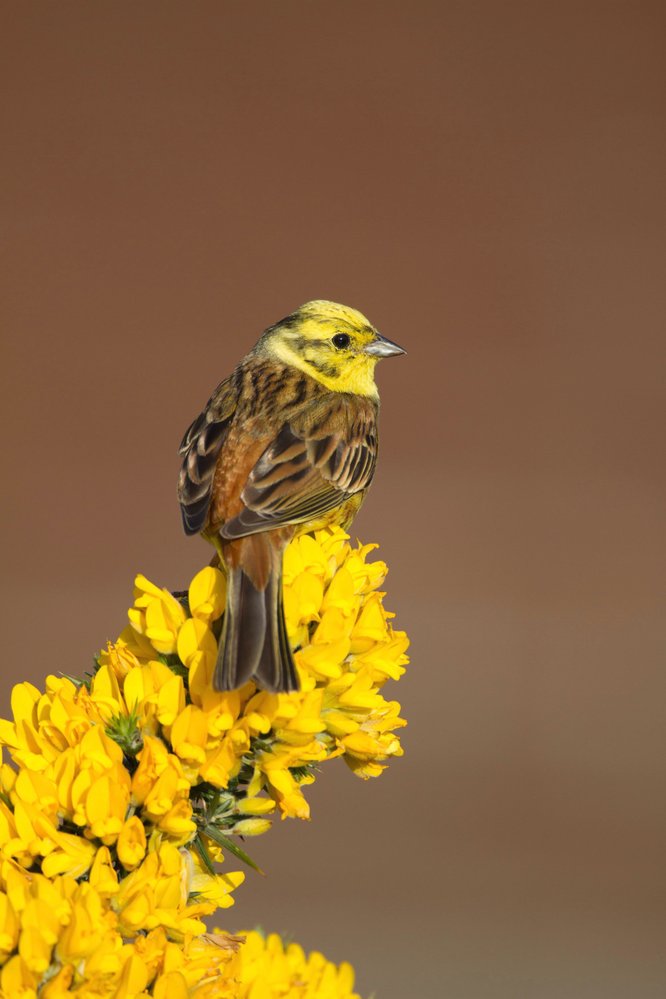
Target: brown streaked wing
[
  {"x": 309, "y": 470},
  {"x": 200, "y": 448}
]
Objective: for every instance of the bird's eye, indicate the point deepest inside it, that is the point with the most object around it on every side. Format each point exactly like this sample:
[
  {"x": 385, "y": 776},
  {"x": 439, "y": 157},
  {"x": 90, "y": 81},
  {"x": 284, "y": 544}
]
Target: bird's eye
[{"x": 341, "y": 340}]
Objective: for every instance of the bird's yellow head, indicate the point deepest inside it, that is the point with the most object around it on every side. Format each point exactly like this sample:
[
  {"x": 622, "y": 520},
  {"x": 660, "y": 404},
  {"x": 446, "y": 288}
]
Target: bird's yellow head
[{"x": 334, "y": 344}]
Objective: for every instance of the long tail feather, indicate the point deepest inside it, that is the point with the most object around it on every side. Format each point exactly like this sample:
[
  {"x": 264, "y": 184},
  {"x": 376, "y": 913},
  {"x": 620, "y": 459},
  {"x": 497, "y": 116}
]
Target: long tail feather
[
  {"x": 254, "y": 639},
  {"x": 243, "y": 630},
  {"x": 276, "y": 670}
]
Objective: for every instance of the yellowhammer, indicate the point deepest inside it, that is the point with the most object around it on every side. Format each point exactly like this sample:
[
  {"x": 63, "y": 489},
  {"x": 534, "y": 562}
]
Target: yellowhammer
[{"x": 286, "y": 444}]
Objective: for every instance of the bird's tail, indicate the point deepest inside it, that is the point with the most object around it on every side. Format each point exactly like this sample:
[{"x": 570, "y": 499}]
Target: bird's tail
[{"x": 254, "y": 639}]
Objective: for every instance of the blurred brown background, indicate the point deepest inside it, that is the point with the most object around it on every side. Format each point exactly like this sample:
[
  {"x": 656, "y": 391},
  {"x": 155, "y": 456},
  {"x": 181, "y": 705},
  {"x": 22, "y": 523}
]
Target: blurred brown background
[{"x": 486, "y": 181}]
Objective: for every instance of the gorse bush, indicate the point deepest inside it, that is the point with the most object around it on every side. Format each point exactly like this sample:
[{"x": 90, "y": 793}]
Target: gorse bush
[{"x": 129, "y": 786}]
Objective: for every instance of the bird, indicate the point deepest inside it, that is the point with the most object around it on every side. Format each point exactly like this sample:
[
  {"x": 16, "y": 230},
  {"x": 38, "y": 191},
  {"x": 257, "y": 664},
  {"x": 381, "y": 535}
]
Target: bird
[{"x": 287, "y": 444}]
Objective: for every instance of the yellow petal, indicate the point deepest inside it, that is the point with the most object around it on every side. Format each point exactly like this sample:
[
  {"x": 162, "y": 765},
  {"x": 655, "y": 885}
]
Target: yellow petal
[{"x": 207, "y": 594}]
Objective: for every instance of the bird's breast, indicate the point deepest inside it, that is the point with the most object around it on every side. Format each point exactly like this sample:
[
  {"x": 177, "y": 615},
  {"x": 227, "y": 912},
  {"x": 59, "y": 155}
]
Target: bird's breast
[{"x": 342, "y": 516}]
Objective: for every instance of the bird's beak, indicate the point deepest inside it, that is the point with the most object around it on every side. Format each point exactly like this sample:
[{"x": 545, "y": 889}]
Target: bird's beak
[{"x": 381, "y": 347}]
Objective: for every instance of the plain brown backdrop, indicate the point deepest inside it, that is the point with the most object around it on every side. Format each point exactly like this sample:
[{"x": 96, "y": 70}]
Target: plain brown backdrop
[{"x": 486, "y": 181}]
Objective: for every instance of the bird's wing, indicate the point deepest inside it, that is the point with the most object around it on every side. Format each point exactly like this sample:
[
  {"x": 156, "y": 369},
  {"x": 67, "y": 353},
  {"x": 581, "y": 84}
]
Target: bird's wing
[
  {"x": 200, "y": 448},
  {"x": 311, "y": 467}
]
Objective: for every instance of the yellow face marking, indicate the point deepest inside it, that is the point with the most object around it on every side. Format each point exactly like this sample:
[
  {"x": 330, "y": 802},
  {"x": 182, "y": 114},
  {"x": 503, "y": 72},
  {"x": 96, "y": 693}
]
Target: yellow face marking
[{"x": 326, "y": 341}]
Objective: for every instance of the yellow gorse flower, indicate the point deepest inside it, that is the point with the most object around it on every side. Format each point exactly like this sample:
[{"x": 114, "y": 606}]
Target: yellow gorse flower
[
  {"x": 127, "y": 788},
  {"x": 60, "y": 939}
]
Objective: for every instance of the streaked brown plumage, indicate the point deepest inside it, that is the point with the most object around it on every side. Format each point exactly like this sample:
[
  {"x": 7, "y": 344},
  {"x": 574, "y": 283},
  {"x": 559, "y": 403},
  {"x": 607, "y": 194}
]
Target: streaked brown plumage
[{"x": 277, "y": 451}]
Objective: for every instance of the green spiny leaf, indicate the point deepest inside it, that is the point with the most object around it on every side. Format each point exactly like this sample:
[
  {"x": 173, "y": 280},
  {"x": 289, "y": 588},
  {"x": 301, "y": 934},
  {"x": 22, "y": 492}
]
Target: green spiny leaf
[
  {"x": 206, "y": 858},
  {"x": 228, "y": 844}
]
